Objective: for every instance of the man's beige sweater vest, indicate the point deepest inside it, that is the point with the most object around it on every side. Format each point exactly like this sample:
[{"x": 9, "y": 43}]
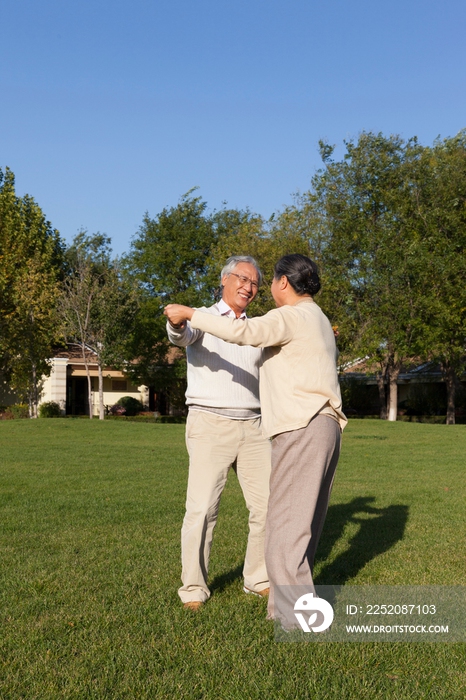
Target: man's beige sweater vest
[{"x": 220, "y": 375}]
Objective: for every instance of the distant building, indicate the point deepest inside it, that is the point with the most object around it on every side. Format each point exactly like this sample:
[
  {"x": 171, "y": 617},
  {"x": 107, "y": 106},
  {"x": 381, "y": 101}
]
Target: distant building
[
  {"x": 67, "y": 384},
  {"x": 421, "y": 388}
]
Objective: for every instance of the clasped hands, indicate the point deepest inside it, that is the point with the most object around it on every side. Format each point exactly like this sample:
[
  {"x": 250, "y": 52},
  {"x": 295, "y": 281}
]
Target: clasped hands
[{"x": 178, "y": 314}]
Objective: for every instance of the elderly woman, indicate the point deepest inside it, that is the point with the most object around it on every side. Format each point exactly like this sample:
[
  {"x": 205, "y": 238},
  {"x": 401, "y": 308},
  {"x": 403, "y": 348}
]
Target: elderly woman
[{"x": 301, "y": 413}]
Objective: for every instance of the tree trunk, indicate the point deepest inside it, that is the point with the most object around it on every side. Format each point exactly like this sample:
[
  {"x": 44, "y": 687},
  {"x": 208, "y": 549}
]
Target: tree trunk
[
  {"x": 33, "y": 394},
  {"x": 450, "y": 381},
  {"x": 89, "y": 382},
  {"x": 382, "y": 395},
  {"x": 35, "y": 398},
  {"x": 101, "y": 394},
  {"x": 393, "y": 373},
  {"x": 89, "y": 390}
]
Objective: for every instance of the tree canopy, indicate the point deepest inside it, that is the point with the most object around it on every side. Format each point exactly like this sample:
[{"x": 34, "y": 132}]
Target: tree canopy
[
  {"x": 97, "y": 305},
  {"x": 386, "y": 223},
  {"x": 391, "y": 227},
  {"x": 31, "y": 265}
]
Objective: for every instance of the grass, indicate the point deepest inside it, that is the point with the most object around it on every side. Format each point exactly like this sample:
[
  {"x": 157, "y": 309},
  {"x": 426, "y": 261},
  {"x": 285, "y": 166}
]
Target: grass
[{"x": 90, "y": 517}]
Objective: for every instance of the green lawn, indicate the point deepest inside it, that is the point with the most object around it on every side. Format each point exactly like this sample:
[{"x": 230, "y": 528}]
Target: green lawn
[{"x": 90, "y": 516}]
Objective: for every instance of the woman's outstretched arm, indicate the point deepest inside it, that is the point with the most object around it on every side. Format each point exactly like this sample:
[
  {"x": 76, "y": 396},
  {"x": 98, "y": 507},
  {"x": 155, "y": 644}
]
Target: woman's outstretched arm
[{"x": 177, "y": 313}]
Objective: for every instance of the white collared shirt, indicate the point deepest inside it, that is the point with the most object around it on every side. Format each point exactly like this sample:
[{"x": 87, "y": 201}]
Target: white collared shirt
[{"x": 225, "y": 310}]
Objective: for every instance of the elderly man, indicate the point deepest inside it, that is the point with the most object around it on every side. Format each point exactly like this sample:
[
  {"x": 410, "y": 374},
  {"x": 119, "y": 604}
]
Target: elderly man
[{"x": 222, "y": 431}]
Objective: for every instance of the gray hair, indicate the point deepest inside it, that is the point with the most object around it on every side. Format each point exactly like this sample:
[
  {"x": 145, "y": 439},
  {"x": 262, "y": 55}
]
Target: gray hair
[{"x": 234, "y": 260}]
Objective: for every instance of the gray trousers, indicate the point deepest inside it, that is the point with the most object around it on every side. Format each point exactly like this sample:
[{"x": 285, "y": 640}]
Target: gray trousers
[{"x": 303, "y": 469}]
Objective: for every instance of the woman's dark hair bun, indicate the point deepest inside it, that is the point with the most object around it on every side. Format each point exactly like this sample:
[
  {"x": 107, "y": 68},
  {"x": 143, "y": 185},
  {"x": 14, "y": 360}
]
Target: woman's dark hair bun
[{"x": 301, "y": 272}]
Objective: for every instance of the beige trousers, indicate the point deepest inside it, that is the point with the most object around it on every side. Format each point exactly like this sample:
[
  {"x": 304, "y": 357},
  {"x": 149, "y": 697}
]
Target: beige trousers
[
  {"x": 215, "y": 444},
  {"x": 303, "y": 469}
]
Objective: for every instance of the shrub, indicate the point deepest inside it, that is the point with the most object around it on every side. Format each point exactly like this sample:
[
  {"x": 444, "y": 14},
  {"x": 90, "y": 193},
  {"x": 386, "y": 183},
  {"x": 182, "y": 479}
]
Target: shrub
[
  {"x": 132, "y": 406},
  {"x": 358, "y": 396},
  {"x": 117, "y": 410},
  {"x": 460, "y": 399},
  {"x": 49, "y": 409},
  {"x": 426, "y": 400},
  {"x": 148, "y": 418},
  {"x": 18, "y": 410}
]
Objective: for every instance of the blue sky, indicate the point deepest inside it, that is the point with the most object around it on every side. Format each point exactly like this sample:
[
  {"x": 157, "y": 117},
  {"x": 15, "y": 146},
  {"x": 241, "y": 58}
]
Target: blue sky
[{"x": 113, "y": 108}]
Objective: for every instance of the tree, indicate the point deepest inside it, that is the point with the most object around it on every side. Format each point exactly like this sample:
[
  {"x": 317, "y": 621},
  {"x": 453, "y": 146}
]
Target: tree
[
  {"x": 31, "y": 263},
  {"x": 169, "y": 254},
  {"x": 441, "y": 212},
  {"x": 291, "y": 231},
  {"x": 241, "y": 233},
  {"x": 97, "y": 306},
  {"x": 32, "y": 330},
  {"x": 372, "y": 252},
  {"x": 168, "y": 261},
  {"x": 391, "y": 229}
]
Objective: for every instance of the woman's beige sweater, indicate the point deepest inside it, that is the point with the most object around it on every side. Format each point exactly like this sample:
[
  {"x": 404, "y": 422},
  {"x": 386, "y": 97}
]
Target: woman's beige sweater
[{"x": 298, "y": 377}]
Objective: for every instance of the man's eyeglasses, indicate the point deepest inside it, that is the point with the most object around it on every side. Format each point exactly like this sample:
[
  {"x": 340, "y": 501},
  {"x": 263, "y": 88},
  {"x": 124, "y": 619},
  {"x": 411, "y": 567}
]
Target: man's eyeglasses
[{"x": 245, "y": 280}]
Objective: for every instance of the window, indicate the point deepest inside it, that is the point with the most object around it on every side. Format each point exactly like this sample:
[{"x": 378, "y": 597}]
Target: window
[{"x": 119, "y": 385}]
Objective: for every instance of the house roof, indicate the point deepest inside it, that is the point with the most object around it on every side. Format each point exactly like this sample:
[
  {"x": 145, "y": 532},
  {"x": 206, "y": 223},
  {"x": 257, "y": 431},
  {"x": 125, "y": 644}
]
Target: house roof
[
  {"x": 415, "y": 370},
  {"x": 73, "y": 352},
  {"x": 76, "y": 365}
]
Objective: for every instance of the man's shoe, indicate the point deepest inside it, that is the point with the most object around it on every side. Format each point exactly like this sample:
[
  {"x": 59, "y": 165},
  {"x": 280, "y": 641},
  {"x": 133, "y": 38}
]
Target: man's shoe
[
  {"x": 193, "y": 605},
  {"x": 264, "y": 593}
]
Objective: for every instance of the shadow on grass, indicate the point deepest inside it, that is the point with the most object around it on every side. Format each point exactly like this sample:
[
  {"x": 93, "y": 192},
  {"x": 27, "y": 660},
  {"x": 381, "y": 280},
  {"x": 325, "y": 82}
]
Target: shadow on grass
[
  {"x": 224, "y": 580},
  {"x": 380, "y": 529}
]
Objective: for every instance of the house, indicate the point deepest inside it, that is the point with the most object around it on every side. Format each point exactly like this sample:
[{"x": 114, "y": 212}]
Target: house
[
  {"x": 67, "y": 384},
  {"x": 421, "y": 388}
]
